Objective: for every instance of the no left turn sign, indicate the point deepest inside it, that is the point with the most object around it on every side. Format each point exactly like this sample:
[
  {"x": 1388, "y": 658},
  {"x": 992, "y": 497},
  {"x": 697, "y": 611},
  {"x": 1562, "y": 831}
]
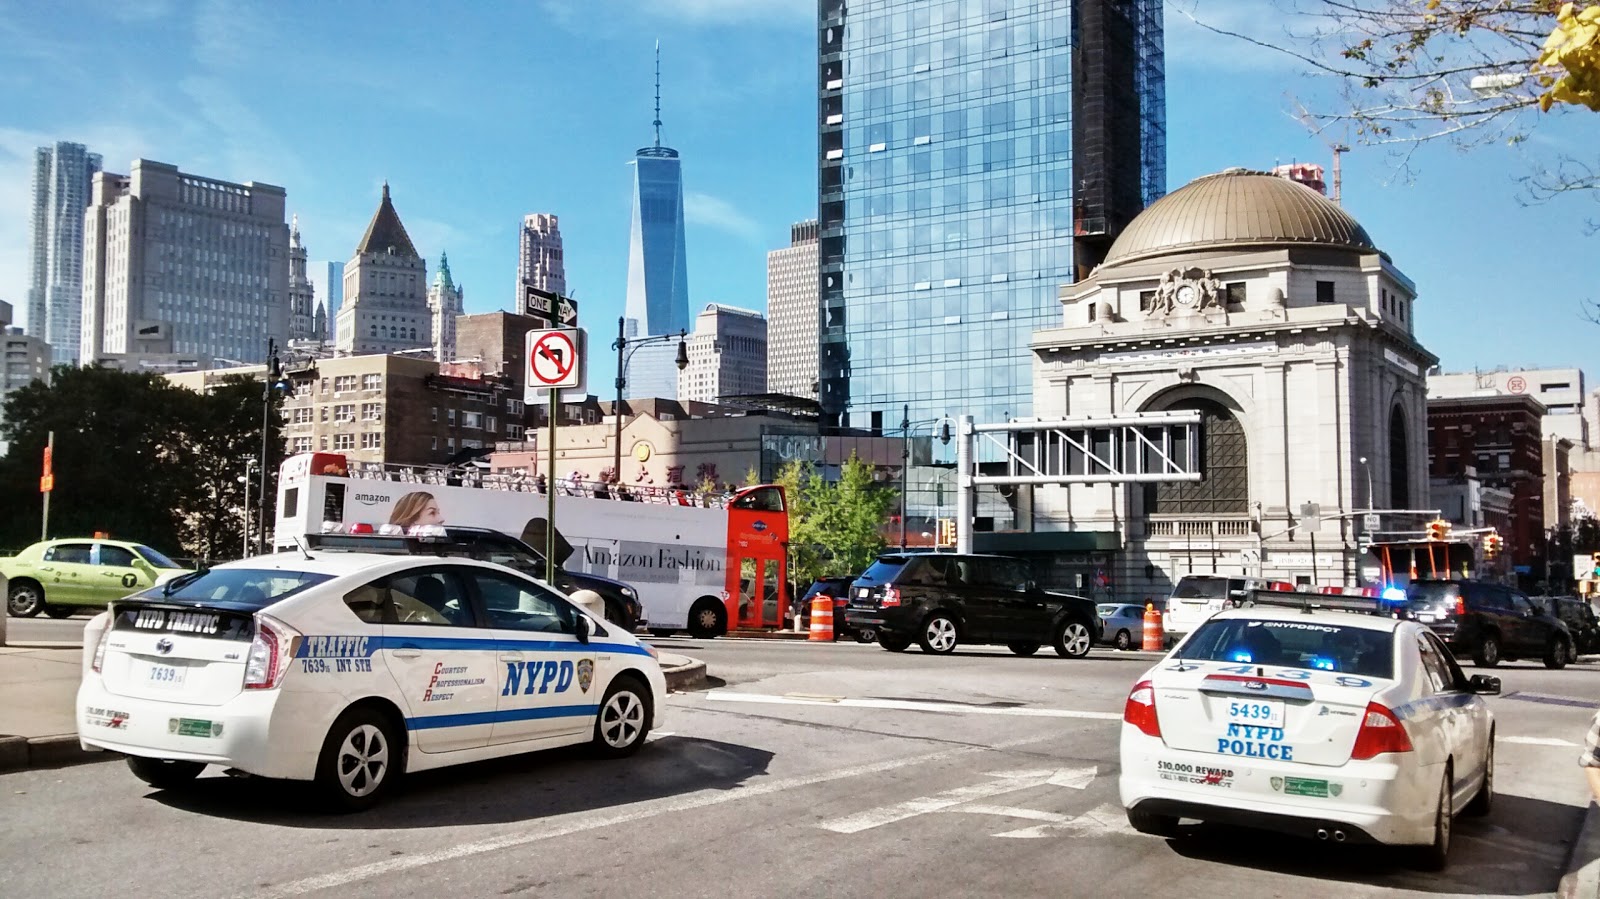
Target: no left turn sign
[{"x": 553, "y": 358}]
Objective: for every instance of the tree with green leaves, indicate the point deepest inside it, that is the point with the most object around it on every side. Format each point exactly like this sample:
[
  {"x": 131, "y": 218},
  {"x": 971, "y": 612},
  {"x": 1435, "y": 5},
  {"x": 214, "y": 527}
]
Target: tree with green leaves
[
  {"x": 138, "y": 457},
  {"x": 835, "y": 527}
]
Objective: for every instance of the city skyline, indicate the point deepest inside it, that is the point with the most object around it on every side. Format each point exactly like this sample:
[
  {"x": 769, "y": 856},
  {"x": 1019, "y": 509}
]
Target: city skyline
[{"x": 748, "y": 182}]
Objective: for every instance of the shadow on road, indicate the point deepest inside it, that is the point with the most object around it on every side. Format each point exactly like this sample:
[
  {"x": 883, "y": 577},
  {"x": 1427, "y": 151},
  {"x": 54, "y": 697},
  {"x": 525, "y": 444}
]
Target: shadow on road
[
  {"x": 515, "y": 789},
  {"x": 1518, "y": 850}
]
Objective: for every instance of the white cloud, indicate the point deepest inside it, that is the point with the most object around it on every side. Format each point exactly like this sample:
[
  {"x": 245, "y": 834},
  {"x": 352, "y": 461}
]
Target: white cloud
[{"x": 713, "y": 212}]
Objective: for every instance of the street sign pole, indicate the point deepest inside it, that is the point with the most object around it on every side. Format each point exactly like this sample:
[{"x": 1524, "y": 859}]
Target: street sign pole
[
  {"x": 47, "y": 483},
  {"x": 554, "y": 362},
  {"x": 550, "y": 491}
]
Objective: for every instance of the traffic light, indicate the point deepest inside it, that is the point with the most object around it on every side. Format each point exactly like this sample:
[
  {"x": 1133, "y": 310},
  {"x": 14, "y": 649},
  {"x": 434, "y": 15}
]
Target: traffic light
[
  {"x": 1492, "y": 544},
  {"x": 1438, "y": 529},
  {"x": 947, "y": 532}
]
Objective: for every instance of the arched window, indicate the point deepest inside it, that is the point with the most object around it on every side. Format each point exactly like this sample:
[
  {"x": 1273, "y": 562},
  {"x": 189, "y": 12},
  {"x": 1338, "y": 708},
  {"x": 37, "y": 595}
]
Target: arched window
[
  {"x": 1224, "y": 462},
  {"x": 1399, "y": 461}
]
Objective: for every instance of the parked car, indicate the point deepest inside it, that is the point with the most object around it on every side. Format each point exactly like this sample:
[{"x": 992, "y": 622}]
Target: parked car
[
  {"x": 940, "y": 600},
  {"x": 622, "y": 606},
  {"x": 59, "y": 577},
  {"x": 1490, "y": 622},
  {"x": 1123, "y": 623},
  {"x": 1579, "y": 618}
]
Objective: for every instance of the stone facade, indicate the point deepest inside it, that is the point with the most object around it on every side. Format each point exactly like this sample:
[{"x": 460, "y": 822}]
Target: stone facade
[
  {"x": 1280, "y": 322},
  {"x": 445, "y": 300},
  {"x": 303, "y": 312},
  {"x": 794, "y": 314},
  {"x": 727, "y": 355},
  {"x": 385, "y": 307}
]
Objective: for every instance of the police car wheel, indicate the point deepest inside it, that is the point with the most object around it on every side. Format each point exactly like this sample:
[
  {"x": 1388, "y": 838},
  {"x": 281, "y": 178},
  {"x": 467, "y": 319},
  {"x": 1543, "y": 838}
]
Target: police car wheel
[
  {"x": 1436, "y": 856},
  {"x": 1482, "y": 803},
  {"x": 1073, "y": 639},
  {"x": 1154, "y": 825},
  {"x": 360, "y": 760},
  {"x": 624, "y": 719},
  {"x": 25, "y": 599},
  {"x": 164, "y": 774}
]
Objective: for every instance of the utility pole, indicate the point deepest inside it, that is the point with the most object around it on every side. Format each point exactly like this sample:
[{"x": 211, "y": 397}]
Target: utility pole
[
  {"x": 268, "y": 376},
  {"x": 905, "y": 466},
  {"x": 47, "y": 483}
]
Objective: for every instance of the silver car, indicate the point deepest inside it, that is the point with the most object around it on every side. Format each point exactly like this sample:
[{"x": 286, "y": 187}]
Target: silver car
[{"x": 1124, "y": 623}]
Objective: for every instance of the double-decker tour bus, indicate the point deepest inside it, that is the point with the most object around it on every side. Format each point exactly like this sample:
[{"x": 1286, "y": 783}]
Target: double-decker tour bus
[{"x": 705, "y": 564}]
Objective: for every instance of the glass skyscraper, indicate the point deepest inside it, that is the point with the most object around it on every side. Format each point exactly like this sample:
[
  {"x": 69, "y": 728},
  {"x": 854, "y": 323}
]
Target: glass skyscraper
[
  {"x": 974, "y": 155},
  {"x": 63, "y": 176},
  {"x": 658, "y": 271}
]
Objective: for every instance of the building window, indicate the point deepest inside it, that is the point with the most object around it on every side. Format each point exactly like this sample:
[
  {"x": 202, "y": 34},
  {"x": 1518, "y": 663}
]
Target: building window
[
  {"x": 1324, "y": 291},
  {"x": 1234, "y": 293},
  {"x": 324, "y": 385},
  {"x": 433, "y": 414},
  {"x": 1147, "y": 301},
  {"x": 303, "y": 416},
  {"x": 324, "y": 413},
  {"x": 344, "y": 412},
  {"x": 344, "y": 383},
  {"x": 489, "y": 423},
  {"x": 371, "y": 382},
  {"x": 371, "y": 411},
  {"x": 344, "y": 441},
  {"x": 322, "y": 442},
  {"x": 302, "y": 444},
  {"x": 472, "y": 420},
  {"x": 1091, "y": 310},
  {"x": 513, "y": 407},
  {"x": 450, "y": 414},
  {"x": 372, "y": 440},
  {"x": 433, "y": 443},
  {"x": 1225, "y": 459},
  {"x": 514, "y": 432},
  {"x": 449, "y": 444}
]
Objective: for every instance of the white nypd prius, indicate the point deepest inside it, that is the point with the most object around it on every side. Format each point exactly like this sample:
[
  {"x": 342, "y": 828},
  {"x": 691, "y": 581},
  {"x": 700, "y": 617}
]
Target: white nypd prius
[
  {"x": 1324, "y": 722},
  {"x": 349, "y": 669}
]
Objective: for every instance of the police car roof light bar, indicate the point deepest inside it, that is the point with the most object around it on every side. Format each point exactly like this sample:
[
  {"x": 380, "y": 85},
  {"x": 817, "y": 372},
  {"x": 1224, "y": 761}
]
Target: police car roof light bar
[{"x": 1306, "y": 602}]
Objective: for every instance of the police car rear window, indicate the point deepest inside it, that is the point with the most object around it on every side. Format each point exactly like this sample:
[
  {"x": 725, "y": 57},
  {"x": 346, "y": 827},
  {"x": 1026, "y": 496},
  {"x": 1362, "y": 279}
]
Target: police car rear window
[
  {"x": 242, "y": 589},
  {"x": 1310, "y": 645}
]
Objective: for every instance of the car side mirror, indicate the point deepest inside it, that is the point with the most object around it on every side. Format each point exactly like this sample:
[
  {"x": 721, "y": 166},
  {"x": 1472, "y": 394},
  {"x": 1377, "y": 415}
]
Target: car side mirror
[
  {"x": 1484, "y": 685},
  {"x": 585, "y": 630}
]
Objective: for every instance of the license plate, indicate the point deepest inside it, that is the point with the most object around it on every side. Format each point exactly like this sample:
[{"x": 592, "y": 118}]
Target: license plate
[
  {"x": 167, "y": 677},
  {"x": 863, "y": 593},
  {"x": 1427, "y": 616},
  {"x": 1258, "y": 712}
]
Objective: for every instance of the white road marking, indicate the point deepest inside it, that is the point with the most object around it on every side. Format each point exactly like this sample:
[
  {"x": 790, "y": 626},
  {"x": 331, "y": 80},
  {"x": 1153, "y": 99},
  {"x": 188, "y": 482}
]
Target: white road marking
[
  {"x": 1012, "y": 811},
  {"x": 906, "y": 705},
  {"x": 1105, "y": 820},
  {"x": 580, "y": 822},
  {"x": 658, "y": 734},
  {"x": 1537, "y": 741},
  {"x": 1004, "y": 782}
]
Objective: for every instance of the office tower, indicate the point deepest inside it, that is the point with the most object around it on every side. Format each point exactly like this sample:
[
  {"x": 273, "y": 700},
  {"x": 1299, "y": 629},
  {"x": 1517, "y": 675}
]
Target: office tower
[
  {"x": 973, "y": 157},
  {"x": 445, "y": 300},
  {"x": 658, "y": 278},
  {"x": 540, "y": 262},
  {"x": 302, "y": 308},
  {"x": 385, "y": 288},
  {"x": 793, "y": 314},
  {"x": 180, "y": 263},
  {"x": 327, "y": 285},
  {"x": 727, "y": 355},
  {"x": 62, "y": 179}
]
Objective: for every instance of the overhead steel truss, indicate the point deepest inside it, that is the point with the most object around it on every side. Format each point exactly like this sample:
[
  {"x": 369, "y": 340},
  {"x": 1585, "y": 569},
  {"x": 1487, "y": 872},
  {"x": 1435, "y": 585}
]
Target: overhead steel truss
[{"x": 1141, "y": 448}]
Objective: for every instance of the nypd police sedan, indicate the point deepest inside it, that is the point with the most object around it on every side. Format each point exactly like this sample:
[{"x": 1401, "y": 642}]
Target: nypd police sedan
[
  {"x": 350, "y": 669},
  {"x": 1327, "y": 723}
]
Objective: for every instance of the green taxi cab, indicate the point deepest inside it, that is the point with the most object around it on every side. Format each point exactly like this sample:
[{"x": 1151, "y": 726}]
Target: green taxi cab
[{"x": 58, "y": 577}]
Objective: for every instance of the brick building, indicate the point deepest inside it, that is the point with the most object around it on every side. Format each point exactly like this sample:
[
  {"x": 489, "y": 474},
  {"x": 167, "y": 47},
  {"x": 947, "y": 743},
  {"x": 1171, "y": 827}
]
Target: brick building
[{"x": 1499, "y": 438}]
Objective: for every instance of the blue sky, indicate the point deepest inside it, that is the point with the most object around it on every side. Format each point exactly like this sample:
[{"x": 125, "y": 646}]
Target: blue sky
[{"x": 477, "y": 113}]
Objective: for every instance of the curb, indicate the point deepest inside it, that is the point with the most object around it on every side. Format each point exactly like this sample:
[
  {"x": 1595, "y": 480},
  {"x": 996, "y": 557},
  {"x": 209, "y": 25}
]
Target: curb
[
  {"x": 24, "y": 753},
  {"x": 689, "y": 676},
  {"x": 1582, "y": 877}
]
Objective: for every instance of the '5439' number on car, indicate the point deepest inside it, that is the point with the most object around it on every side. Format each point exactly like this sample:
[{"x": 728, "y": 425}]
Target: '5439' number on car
[{"x": 1262, "y": 713}]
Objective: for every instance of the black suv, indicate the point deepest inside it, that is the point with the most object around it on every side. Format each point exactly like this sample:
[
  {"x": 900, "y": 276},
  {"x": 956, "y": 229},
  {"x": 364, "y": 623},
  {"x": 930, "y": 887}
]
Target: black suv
[
  {"x": 1579, "y": 618},
  {"x": 622, "y": 601},
  {"x": 1490, "y": 622},
  {"x": 941, "y": 599}
]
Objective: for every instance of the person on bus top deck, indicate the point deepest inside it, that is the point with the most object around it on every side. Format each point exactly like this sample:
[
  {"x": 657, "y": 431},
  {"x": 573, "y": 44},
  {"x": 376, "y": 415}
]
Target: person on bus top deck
[{"x": 416, "y": 508}]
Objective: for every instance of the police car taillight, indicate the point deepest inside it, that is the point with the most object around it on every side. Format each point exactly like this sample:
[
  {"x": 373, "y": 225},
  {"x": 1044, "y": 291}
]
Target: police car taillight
[
  {"x": 100, "y": 648},
  {"x": 1140, "y": 710},
  {"x": 1380, "y": 732},
  {"x": 891, "y": 596},
  {"x": 271, "y": 653}
]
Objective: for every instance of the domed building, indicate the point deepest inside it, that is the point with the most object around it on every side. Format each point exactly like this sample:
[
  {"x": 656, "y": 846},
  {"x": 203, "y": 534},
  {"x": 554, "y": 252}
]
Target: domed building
[{"x": 1265, "y": 306}]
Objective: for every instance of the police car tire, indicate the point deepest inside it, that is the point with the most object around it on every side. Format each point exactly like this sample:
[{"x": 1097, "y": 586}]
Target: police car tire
[
  {"x": 1483, "y": 803},
  {"x": 1023, "y": 647},
  {"x": 331, "y": 792},
  {"x": 165, "y": 774},
  {"x": 1557, "y": 654},
  {"x": 1152, "y": 824},
  {"x": 1436, "y": 856},
  {"x": 640, "y": 706}
]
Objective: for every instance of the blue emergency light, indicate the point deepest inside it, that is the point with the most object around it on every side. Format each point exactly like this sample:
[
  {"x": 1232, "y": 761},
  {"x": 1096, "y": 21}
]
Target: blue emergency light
[{"x": 1394, "y": 594}]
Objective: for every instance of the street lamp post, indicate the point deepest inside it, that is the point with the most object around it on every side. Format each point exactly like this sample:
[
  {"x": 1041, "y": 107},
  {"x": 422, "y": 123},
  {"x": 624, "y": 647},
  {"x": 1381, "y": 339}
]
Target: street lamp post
[
  {"x": 270, "y": 378},
  {"x": 620, "y": 344},
  {"x": 249, "y": 465},
  {"x": 905, "y": 460}
]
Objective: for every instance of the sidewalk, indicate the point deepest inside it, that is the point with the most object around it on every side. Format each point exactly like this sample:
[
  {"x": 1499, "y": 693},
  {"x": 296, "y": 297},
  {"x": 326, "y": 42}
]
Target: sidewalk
[{"x": 38, "y": 685}]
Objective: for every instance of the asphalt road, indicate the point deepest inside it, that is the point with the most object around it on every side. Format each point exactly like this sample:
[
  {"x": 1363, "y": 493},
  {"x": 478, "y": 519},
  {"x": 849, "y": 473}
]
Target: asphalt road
[
  {"x": 807, "y": 770},
  {"x": 46, "y": 630}
]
